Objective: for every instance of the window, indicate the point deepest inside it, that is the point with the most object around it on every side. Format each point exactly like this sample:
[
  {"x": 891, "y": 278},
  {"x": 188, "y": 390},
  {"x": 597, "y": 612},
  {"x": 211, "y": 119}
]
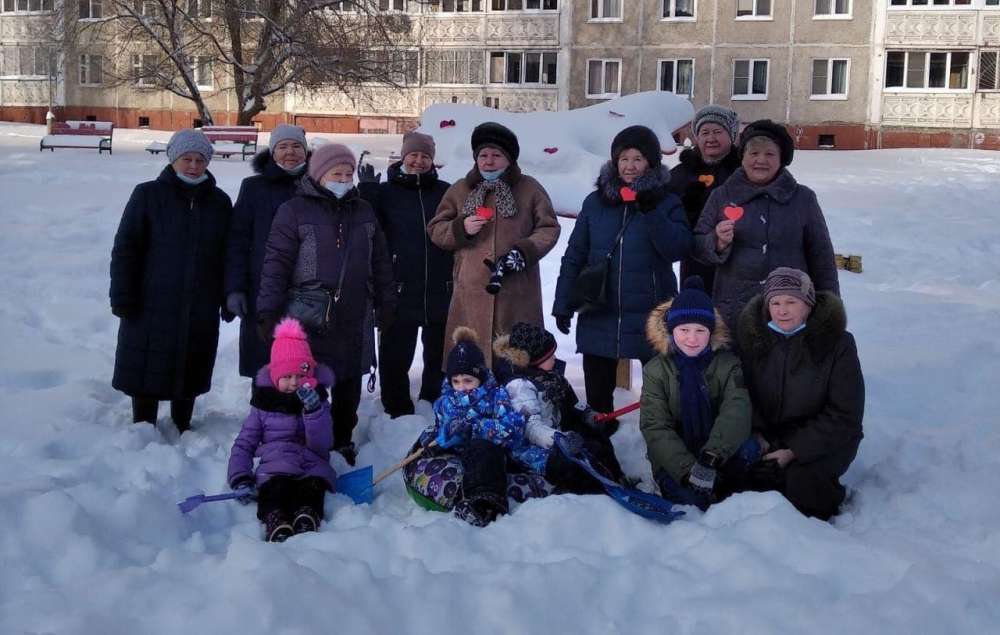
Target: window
[
  {"x": 604, "y": 78},
  {"x": 541, "y": 5},
  {"x": 832, "y": 9},
  {"x": 829, "y": 79},
  {"x": 517, "y": 67},
  {"x": 993, "y": 3},
  {"x": 200, "y": 8},
  {"x": 403, "y": 65},
  {"x": 90, "y": 70},
  {"x": 606, "y": 10},
  {"x": 988, "y": 75},
  {"x": 392, "y": 5},
  {"x": 677, "y": 76},
  {"x": 203, "y": 72},
  {"x": 540, "y": 67},
  {"x": 507, "y": 5},
  {"x": 750, "y": 79},
  {"x": 460, "y": 6},
  {"x": 27, "y": 61},
  {"x": 453, "y": 66},
  {"x": 753, "y": 8},
  {"x": 144, "y": 70},
  {"x": 22, "y": 6},
  {"x": 938, "y": 70},
  {"x": 678, "y": 9},
  {"x": 90, "y": 9},
  {"x": 924, "y": 3}
]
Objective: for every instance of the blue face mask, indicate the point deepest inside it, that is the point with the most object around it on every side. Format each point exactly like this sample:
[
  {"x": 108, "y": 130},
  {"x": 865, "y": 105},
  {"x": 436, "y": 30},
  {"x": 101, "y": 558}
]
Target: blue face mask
[
  {"x": 297, "y": 170},
  {"x": 777, "y": 329},
  {"x": 338, "y": 188},
  {"x": 192, "y": 180},
  {"x": 492, "y": 176}
]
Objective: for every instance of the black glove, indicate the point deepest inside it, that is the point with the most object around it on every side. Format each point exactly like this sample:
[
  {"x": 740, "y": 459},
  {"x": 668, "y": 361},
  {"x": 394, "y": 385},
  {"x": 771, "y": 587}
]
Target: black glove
[
  {"x": 265, "y": 326},
  {"x": 563, "y": 323},
  {"x": 703, "y": 474},
  {"x": 126, "y": 311},
  {"x": 571, "y": 443},
  {"x": 309, "y": 398},
  {"x": 236, "y": 303},
  {"x": 366, "y": 174},
  {"x": 766, "y": 475},
  {"x": 514, "y": 261},
  {"x": 496, "y": 278}
]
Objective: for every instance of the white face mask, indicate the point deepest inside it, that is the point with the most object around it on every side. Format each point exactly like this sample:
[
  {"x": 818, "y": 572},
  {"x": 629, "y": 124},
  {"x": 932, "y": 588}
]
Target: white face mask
[
  {"x": 492, "y": 175},
  {"x": 297, "y": 170},
  {"x": 338, "y": 188},
  {"x": 192, "y": 180}
]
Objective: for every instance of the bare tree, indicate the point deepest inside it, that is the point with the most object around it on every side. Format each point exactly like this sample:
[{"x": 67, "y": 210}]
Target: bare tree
[{"x": 258, "y": 47}]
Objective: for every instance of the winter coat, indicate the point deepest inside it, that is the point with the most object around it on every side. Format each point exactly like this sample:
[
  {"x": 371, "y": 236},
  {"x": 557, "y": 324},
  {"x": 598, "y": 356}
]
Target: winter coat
[
  {"x": 534, "y": 230},
  {"x": 782, "y": 226},
  {"x": 312, "y": 236},
  {"x": 483, "y": 413},
  {"x": 404, "y": 204},
  {"x": 287, "y": 441},
  {"x": 693, "y": 180},
  {"x": 167, "y": 266},
  {"x": 259, "y": 199},
  {"x": 808, "y": 391},
  {"x": 660, "y": 413},
  {"x": 641, "y": 271}
]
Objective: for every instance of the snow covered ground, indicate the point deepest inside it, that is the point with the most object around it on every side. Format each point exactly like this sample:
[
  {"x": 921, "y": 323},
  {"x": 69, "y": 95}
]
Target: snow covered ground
[{"x": 91, "y": 540}]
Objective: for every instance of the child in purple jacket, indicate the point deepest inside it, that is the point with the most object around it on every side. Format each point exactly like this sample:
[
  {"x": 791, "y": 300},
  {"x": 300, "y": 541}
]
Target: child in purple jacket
[{"x": 288, "y": 429}]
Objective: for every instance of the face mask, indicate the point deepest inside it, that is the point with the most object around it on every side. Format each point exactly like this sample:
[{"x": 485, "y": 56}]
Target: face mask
[
  {"x": 297, "y": 170},
  {"x": 338, "y": 188},
  {"x": 492, "y": 176},
  {"x": 777, "y": 329},
  {"x": 192, "y": 180}
]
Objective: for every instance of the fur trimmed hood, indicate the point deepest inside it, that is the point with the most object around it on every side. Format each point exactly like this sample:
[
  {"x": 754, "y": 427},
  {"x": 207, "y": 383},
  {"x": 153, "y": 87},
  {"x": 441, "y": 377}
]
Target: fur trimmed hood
[
  {"x": 824, "y": 327},
  {"x": 656, "y": 330},
  {"x": 650, "y": 188},
  {"x": 518, "y": 357}
]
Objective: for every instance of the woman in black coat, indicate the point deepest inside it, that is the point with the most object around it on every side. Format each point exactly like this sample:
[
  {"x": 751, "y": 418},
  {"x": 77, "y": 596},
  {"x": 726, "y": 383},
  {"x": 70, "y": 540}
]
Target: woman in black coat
[
  {"x": 802, "y": 369},
  {"x": 166, "y": 283},
  {"x": 277, "y": 173},
  {"x": 404, "y": 204}
]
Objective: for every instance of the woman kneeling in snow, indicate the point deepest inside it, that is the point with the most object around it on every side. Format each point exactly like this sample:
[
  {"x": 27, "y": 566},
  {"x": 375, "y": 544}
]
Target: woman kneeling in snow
[
  {"x": 808, "y": 392},
  {"x": 695, "y": 414},
  {"x": 288, "y": 428}
]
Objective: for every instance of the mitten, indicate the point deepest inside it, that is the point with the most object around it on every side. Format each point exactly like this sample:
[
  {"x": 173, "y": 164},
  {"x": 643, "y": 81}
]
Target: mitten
[
  {"x": 366, "y": 174},
  {"x": 563, "y": 323},
  {"x": 246, "y": 491},
  {"x": 309, "y": 398},
  {"x": 703, "y": 474},
  {"x": 514, "y": 261}
]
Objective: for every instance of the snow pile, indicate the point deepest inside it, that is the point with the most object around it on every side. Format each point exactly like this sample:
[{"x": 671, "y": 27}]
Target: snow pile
[
  {"x": 564, "y": 150},
  {"x": 92, "y": 541}
]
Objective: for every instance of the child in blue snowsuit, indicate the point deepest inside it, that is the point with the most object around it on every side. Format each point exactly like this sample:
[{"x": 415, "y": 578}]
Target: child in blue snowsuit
[{"x": 475, "y": 421}]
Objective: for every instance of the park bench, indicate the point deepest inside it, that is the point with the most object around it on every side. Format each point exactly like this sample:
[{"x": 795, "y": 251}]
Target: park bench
[
  {"x": 226, "y": 141},
  {"x": 94, "y": 135}
]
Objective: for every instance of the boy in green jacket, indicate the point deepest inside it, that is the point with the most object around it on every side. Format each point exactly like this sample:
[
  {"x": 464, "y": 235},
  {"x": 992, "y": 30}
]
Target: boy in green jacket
[{"x": 695, "y": 414}]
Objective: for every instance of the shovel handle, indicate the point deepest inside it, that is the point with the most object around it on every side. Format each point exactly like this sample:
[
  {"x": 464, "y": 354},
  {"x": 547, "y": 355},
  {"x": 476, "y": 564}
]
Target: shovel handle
[
  {"x": 409, "y": 459},
  {"x": 606, "y": 416}
]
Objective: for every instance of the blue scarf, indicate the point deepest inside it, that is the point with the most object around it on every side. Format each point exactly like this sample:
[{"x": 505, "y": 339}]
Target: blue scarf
[{"x": 696, "y": 409}]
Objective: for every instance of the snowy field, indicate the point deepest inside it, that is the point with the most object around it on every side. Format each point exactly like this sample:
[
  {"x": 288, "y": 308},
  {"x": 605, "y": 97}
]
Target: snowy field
[{"x": 92, "y": 542}]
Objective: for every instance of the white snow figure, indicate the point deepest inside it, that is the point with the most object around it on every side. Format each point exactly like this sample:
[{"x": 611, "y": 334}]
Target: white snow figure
[{"x": 564, "y": 150}]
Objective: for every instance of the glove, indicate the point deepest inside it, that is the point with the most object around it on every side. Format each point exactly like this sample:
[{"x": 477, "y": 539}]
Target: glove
[
  {"x": 703, "y": 474},
  {"x": 236, "y": 303},
  {"x": 496, "y": 279},
  {"x": 563, "y": 322},
  {"x": 309, "y": 398},
  {"x": 514, "y": 261},
  {"x": 246, "y": 492},
  {"x": 765, "y": 476},
  {"x": 125, "y": 311},
  {"x": 366, "y": 174},
  {"x": 265, "y": 326},
  {"x": 571, "y": 443}
]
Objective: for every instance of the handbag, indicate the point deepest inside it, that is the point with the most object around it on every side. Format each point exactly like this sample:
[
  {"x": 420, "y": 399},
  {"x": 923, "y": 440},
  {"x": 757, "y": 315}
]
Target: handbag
[
  {"x": 590, "y": 289},
  {"x": 313, "y": 304}
]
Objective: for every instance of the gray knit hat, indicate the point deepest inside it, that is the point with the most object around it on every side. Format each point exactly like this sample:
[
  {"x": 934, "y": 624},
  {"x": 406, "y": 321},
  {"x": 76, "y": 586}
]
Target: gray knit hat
[
  {"x": 719, "y": 115},
  {"x": 417, "y": 142},
  {"x": 287, "y": 132},
  {"x": 189, "y": 140},
  {"x": 789, "y": 281}
]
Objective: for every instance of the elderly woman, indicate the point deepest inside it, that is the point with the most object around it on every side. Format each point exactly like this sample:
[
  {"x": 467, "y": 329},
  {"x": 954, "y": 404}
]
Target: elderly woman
[
  {"x": 632, "y": 220},
  {"x": 166, "y": 283},
  {"x": 277, "y": 172},
  {"x": 327, "y": 239},
  {"x": 761, "y": 219},
  {"x": 702, "y": 169},
  {"x": 500, "y": 215},
  {"x": 802, "y": 370}
]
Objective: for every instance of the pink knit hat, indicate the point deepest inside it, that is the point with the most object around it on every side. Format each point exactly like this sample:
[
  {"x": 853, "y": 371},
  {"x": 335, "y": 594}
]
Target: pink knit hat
[
  {"x": 290, "y": 352},
  {"x": 328, "y": 155}
]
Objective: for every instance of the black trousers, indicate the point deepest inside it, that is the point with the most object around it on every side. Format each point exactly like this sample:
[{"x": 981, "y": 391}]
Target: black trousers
[
  {"x": 345, "y": 397},
  {"x": 599, "y": 376},
  {"x": 485, "y": 473},
  {"x": 146, "y": 409},
  {"x": 813, "y": 488},
  {"x": 289, "y": 494},
  {"x": 395, "y": 353},
  {"x": 569, "y": 477}
]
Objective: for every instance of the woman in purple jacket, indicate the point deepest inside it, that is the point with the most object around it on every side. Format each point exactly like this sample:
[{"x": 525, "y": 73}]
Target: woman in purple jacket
[{"x": 288, "y": 429}]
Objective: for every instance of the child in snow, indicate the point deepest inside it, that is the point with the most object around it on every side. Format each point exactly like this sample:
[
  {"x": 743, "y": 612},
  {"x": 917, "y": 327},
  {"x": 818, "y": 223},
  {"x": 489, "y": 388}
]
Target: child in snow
[
  {"x": 288, "y": 429},
  {"x": 527, "y": 365},
  {"x": 475, "y": 421},
  {"x": 695, "y": 414}
]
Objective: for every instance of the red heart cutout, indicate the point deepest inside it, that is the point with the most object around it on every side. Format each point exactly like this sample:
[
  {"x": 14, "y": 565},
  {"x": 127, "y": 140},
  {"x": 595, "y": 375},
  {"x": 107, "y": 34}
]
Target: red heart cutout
[
  {"x": 628, "y": 194},
  {"x": 447, "y": 123},
  {"x": 707, "y": 179},
  {"x": 733, "y": 212},
  {"x": 484, "y": 212},
  {"x": 551, "y": 150}
]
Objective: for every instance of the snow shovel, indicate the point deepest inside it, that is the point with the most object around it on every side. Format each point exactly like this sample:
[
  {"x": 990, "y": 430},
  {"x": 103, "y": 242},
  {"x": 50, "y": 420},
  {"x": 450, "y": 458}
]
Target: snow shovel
[
  {"x": 607, "y": 416},
  {"x": 646, "y": 505},
  {"x": 192, "y": 502},
  {"x": 359, "y": 485}
]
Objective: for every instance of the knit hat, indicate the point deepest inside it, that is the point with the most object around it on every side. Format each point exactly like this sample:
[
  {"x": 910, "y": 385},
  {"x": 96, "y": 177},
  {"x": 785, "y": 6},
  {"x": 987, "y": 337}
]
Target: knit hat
[
  {"x": 773, "y": 131},
  {"x": 417, "y": 142},
  {"x": 466, "y": 358},
  {"x": 290, "y": 353},
  {"x": 719, "y": 115},
  {"x": 537, "y": 344},
  {"x": 691, "y": 306},
  {"x": 287, "y": 132},
  {"x": 327, "y": 156},
  {"x": 642, "y": 139},
  {"x": 188, "y": 140},
  {"x": 789, "y": 281},
  {"x": 494, "y": 135}
]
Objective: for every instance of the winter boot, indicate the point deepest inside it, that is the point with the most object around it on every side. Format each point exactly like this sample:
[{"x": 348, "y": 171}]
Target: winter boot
[
  {"x": 277, "y": 527},
  {"x": 306, "y": 519},
  {"x": 480, "y": 510}
]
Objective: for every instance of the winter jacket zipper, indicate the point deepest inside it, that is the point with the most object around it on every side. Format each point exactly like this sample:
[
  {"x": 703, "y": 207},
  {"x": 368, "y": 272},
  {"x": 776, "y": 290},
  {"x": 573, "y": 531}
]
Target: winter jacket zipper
[
  {"x": 423, "y": 219},
  {"x": 621, "y": 268}
]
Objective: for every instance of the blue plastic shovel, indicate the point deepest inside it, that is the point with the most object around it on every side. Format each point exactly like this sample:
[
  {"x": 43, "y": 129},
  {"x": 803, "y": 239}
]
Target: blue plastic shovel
[
  {"x": 192, "y": 502},
  {"x": 359, "y": 484}
]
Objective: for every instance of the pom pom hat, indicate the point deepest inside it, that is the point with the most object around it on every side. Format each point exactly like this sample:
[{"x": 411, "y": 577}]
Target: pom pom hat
[
  {"x": 290, "y": 353},
  {"x": 466, "y": 358}
]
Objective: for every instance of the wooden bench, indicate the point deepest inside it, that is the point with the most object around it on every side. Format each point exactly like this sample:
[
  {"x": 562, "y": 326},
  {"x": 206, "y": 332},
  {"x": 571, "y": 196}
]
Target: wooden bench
[
  {"x": 79, "y": 134},
  {"x": 226, "y": 141}
]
